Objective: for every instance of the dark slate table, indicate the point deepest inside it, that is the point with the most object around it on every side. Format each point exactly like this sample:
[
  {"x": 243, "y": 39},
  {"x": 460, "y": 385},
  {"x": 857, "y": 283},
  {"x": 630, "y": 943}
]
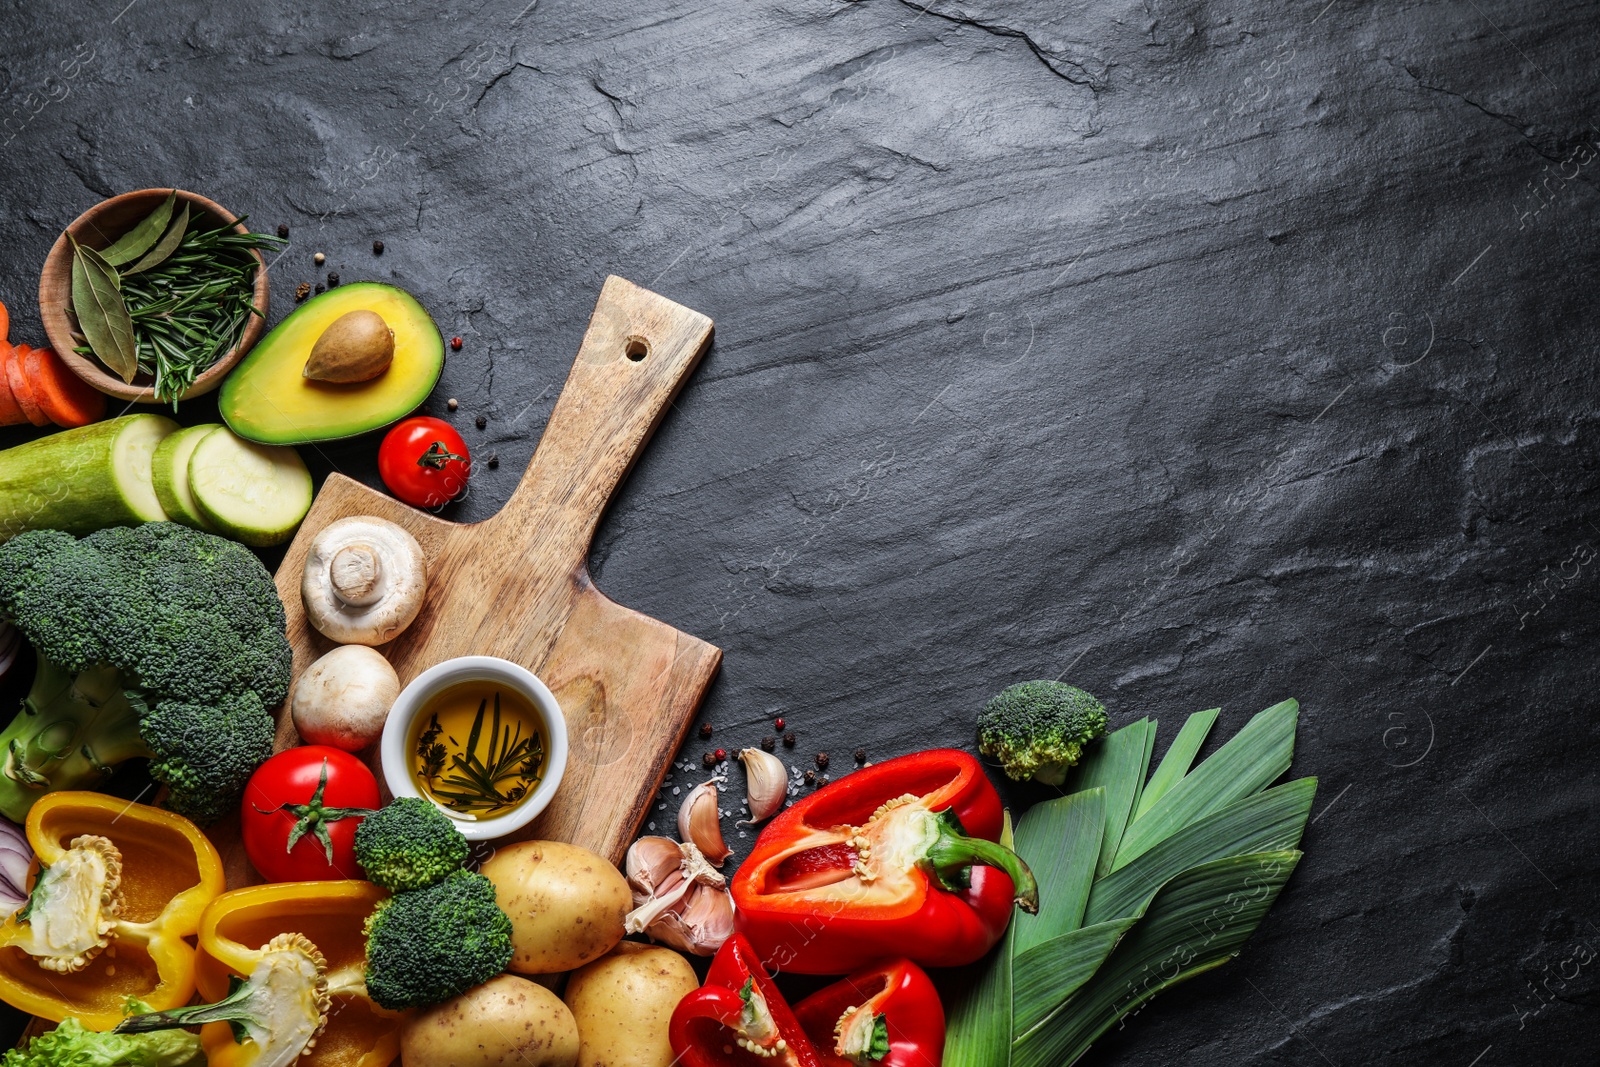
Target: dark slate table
[{"x": 1197, "y": 353}]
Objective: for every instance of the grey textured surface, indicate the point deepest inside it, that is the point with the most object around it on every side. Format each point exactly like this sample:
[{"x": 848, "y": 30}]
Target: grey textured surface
[{"x": 1202, "y": 352}]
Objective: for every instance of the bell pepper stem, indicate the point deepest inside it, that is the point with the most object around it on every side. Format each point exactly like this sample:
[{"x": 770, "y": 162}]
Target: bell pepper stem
[
  {"x": 229, "y": 1009},
  {"x": 953, "y": 853}
]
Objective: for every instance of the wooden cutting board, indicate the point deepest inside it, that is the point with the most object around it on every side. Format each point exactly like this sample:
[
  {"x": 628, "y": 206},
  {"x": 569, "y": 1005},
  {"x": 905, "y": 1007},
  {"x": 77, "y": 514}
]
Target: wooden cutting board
[{"x": 517, "y": 585}]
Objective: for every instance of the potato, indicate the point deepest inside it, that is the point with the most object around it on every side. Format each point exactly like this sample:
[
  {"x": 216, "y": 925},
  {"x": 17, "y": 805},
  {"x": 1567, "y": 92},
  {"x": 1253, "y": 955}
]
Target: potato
[
  {"x": 506, "y": 1022},
  {"x": 623, "y": 1002},
  {"x": 566, "y": 904}
]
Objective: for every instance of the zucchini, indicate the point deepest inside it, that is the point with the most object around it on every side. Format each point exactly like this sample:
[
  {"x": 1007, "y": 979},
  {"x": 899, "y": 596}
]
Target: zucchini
[
  {"x": 170, "y": 472},
  {"x": 253, "y": 493},
  {"x": 83, "y": 480}
]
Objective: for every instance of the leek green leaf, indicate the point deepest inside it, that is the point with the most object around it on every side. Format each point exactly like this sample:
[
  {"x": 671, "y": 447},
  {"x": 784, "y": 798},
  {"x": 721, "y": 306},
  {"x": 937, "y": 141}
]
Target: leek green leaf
[
  {"x": 1060, "y": 841},
  {"x": 1180, "y": 756},
  {"x": 1247, "y": 764},
  {"x": 1116, "y": 765},
  {"x": 1048, "y": 973},
  {"x": 1198, "y": 921},
  {"x": 1270, "y": 821}
]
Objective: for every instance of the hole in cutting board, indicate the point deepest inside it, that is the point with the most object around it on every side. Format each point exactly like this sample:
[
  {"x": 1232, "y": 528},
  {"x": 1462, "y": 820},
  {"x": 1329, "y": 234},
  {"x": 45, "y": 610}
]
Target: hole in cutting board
[{"x": 636, "y": 348}]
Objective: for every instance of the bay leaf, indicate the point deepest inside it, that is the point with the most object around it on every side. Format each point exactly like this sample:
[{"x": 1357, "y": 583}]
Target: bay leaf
[
  {"x": 166, "y": 246},
  {"x": 137, "y": 241},
  {"x": 97, "y": 301}
]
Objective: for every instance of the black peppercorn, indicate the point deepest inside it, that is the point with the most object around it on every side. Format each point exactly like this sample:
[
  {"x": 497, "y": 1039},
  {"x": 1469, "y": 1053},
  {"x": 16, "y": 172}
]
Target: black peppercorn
[
  {"x": 377, "y": 248},
  {"x": 823, "y": 780},
  {"x": 861, "y": 755},
  {"x": 494, "y": 461},
  {"x": 705, "y": 729},
  {"x": 319, "y": 289},
  {"x": 822, "y": 761},
  {"x": 333, "y": 279},
  {"x": 708, "y": 760},
  {"x": 283, "y": 230},
  {"x": 480, "y": 422},
  {"x": 788, "y": 739},
  {"x": 811, "y": 778},
  {"x": 768, "y": 743}
]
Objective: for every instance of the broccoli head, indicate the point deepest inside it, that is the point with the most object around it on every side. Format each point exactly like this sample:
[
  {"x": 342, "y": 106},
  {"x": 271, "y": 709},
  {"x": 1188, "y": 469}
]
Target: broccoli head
[
  {"x": 410, "y": 844},
  {"x": 154, "y": 640},
  {"x": 1039, "y": 729},
  {"x": 425, "y": 946}
]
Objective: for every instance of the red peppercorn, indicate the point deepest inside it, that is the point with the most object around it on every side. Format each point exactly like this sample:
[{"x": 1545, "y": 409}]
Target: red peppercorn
[
  {"x": 455, "y": 343},
  {"x": 777, "y": 724},
  {"x": 721, "y": 754}
]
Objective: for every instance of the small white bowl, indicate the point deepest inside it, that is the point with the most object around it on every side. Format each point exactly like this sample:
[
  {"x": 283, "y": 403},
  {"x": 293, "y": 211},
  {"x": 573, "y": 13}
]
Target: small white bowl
[{"x": 396, "y": 759}]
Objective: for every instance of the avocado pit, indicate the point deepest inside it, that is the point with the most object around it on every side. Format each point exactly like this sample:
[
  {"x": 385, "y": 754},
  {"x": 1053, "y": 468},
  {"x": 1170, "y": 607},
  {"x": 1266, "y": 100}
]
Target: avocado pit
[{"x": 356, "y": 347}]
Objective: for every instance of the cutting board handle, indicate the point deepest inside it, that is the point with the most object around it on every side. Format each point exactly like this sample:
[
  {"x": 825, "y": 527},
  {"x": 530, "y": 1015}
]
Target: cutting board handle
[{"x": 637, "y": 353}]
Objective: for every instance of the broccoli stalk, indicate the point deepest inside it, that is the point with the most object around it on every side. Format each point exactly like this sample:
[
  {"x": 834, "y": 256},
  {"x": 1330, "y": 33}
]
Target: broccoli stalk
[
  {"x": 72, "y": 727},
  {"x": 1039, "y": 729},
  {"x": 154, "y": 640}
]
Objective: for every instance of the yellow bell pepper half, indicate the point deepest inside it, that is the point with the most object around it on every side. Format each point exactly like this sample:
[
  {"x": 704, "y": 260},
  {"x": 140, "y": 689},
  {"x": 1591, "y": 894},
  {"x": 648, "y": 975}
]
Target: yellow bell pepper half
[
  {"x": 170, "y": 872},
  {"x": 332, "y": 915}
]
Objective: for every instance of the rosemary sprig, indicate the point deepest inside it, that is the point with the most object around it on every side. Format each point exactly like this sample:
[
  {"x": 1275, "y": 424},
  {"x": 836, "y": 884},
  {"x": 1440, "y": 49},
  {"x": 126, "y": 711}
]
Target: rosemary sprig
[
  {"x": 188, "y": 299},
  {"x": 499, "y": 778}
]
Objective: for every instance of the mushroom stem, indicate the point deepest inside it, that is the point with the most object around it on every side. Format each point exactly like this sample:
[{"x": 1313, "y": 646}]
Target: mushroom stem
[{"x": 357, "y": 575}]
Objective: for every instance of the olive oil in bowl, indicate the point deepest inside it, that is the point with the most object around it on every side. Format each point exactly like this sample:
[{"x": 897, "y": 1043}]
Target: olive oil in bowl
[{"x": 477, "y": 749}]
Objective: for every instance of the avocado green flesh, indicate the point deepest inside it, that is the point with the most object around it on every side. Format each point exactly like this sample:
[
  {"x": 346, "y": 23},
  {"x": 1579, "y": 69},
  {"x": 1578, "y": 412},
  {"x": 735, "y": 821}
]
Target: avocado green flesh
[{"x": 267, "y": 399}]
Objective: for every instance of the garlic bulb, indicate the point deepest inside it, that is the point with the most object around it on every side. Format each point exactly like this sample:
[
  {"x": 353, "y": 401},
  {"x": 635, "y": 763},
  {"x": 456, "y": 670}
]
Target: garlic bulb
[
  {"x": 766, "y": 783},
  {"x": 701, "y": 823},
  {"x": 679, "y": 899}
]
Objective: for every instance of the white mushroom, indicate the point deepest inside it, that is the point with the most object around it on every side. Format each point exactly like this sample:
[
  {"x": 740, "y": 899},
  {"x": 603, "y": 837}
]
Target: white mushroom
[
  {"x": 363, "y": 580},
  {"x": 343, "y": 698}
]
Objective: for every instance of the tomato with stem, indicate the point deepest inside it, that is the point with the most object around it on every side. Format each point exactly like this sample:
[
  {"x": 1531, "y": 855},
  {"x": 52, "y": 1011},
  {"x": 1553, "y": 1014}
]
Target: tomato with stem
[
  {"x": 300, "y": 813},
  {"x": 424, "y": 462}
]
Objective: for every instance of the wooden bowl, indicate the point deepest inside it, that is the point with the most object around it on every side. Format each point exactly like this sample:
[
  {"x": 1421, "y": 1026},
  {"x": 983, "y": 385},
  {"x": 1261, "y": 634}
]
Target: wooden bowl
[{"x": 99, "y": 227}]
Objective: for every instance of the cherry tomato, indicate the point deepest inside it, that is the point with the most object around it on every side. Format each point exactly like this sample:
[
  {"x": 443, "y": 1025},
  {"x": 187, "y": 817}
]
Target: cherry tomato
[
  {"x": 424, "y": 462},
  {"x": 300, "y": 813}
]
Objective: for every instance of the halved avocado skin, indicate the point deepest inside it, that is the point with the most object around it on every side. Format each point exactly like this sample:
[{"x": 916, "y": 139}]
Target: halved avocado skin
[{"x": 267, "y": 400}]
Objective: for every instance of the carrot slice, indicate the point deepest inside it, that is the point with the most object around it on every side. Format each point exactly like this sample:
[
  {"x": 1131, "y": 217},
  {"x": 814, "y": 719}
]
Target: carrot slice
[
  {"x": 22, "y": 388},
  {"x": 5, "y": 322},
  {"x": 11, "y": 413},
  {"x": 66, "y": 398}
]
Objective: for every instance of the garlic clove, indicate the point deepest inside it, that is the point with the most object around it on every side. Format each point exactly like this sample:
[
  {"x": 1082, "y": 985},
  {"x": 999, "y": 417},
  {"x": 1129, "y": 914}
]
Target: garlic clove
[
  {"x": 699, "y": 924},
  {"x": 699, "y": 823},
  {"x": 650, "y": 861},
  {"x": 766, "y": 784},
  {"x": 679, "y": 899},
  {"x": 708, "y": 920},
  {"x": 710, "y": 911}
]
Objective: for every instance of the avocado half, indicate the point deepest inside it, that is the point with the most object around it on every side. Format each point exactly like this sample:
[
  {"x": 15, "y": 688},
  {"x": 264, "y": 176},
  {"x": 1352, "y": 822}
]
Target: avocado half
[{"x": 266, "y": 398}]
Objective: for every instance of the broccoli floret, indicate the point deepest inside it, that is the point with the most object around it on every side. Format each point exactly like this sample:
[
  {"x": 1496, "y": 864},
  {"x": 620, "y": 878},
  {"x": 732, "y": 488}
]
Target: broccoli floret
[
  {"x": 154, "y": 640},
  {"x": 425, "y": 946},
  {"x": 410, "y": 844},
  {"x": 1038, "y": 730}
]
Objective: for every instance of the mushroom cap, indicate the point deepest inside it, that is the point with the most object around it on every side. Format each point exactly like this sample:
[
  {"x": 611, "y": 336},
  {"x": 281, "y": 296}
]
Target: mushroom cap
[
  {"x": 363, "y": 581},
  {"x": 343, "y": 698}
]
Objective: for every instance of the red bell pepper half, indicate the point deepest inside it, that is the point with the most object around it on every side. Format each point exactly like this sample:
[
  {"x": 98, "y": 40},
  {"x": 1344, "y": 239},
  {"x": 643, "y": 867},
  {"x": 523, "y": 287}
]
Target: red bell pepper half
[
  {"x": 885, "y": 1016},
  {"x": 897, "y": 859},
  {"x": 738, "y": 1018}
]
